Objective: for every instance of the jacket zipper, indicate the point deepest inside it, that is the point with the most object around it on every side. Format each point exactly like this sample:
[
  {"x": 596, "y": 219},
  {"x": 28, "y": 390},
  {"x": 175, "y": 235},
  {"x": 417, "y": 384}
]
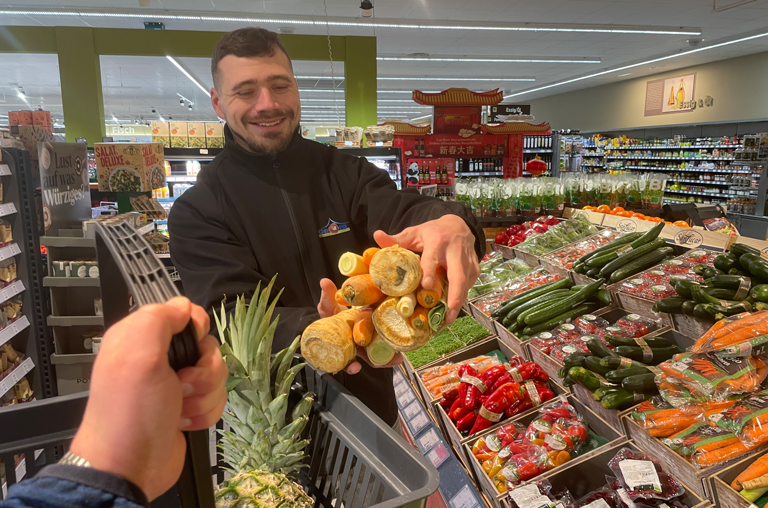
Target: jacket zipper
[{"x": 297, "y": 234}]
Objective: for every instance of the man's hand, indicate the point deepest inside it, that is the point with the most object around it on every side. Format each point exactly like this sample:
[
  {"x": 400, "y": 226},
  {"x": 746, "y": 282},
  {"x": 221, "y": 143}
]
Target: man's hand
[
  {"x": 138, "y": 405},
  {"x": 446, "y": 242}
]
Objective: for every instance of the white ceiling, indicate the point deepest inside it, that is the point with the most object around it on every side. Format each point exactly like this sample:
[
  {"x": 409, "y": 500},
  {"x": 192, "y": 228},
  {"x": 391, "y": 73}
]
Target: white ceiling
[{"x": 133, "y": 85}]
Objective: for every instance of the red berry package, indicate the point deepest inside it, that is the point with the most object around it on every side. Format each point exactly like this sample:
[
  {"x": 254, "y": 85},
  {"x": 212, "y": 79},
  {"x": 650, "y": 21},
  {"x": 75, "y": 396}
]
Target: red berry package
[{"x": 642, "y": 477}]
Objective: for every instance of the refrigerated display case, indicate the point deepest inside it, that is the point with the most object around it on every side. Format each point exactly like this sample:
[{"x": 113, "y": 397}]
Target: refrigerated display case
[{"x": 390, "y": 159}]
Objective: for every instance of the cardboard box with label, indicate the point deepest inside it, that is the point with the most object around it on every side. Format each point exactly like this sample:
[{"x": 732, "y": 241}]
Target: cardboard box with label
[
  {"x": 196, "y": 134},
  {"x": 214, "y": 135},
  {"x": 161, "y": 133},
  {"x": 692, "y": 238},
  {"x": 179, "y": 137},
  {"x": 129, "y": 167}
]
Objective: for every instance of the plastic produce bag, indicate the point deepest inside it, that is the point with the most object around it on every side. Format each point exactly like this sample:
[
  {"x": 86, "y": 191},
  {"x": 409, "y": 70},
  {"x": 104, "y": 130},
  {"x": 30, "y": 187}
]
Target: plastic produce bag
[
  {"x": 545, "y": 341},
  {"x": 538, "y": 494},
  {"x": 741, "y": 332},
  {"x": 634, "y": 325},
  {"x": 589, "y": 324},
  {"x": 713, "y": 376},
  {"x": 747, "y": 418},
  {"x": 487, "y": 447},
  {"x": 643, "y": 478}
]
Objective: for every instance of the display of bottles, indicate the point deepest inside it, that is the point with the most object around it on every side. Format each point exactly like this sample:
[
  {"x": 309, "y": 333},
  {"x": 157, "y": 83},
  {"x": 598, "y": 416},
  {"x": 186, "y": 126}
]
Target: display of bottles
[
  {"x": 537, "y": 142},
  {"x": 445, "y": 194}
]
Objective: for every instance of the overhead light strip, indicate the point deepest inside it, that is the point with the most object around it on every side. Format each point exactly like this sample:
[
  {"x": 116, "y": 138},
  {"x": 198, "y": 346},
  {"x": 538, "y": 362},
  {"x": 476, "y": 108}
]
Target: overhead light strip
[
  {"x": 187, "y": 74},
  {"x": 631, "y": 66},
  {"x": 592, "y": 60},
  {"x": 360, "y": 23},
  {"x": 420, "y": 117},
  {"x": 426, "y": 78},
  {"x": 316, "y": 90}
]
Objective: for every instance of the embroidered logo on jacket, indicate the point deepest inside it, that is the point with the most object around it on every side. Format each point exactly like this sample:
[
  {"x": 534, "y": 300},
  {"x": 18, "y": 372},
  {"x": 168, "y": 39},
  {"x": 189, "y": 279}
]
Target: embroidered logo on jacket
[{"x": 333, "y": 228}]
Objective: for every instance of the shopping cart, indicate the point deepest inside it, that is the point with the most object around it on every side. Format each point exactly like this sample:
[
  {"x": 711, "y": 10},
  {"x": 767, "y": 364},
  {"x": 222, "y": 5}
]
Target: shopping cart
[{"x": 355, "y": 459}]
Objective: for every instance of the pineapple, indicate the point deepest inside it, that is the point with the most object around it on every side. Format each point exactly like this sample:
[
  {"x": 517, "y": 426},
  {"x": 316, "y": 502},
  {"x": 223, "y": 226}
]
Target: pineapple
[{"x": 266, "y": 446}]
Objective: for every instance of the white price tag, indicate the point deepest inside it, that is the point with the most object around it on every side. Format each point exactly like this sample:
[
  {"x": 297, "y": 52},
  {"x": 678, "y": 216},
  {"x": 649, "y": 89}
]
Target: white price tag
[
  {"x": 203, "y": 151},
  {"x": 14, "y": 328},
  {"x": 5, "y": 294},
  {"x": 428, "y": 440},
  {"x": 16, "y": 375},
  {"x": 15, "y": 249},
  {"x": 401, "y": 389},
  {"x": 419, "y": 422},
  {"x": 379, "y": 143},
  {"x": 600, "y": 503},
  {"x": 11, "y": 207},
  {"x": 398, "y": 377},
  {"x": 406, "y": 398},
  {"x": 412, "y": 410},
  {"x": 438, "y": 455},
  {"x": 529, "y": 496},
  {"x": 5, "y": 170},
  {"x": 640, "y": 473},
  {"x": 4, "y": 386},
  {"x": 465, "y": 498}
]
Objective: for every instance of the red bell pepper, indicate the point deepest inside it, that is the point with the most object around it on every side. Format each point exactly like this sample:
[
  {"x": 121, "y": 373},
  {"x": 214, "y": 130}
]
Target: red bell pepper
[
  {"x": 524, "y": 372},
  {"x": 447, "y": 403},
  {"x": 501, "y": 399},
  {"x": 525, "y": 403},
  {"x": 467, "y": 422},
  {"x": 472, "y": 394}
]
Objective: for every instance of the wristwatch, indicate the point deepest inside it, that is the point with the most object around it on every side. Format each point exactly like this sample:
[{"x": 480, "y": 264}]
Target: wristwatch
[{"x": 70, "y": 459}]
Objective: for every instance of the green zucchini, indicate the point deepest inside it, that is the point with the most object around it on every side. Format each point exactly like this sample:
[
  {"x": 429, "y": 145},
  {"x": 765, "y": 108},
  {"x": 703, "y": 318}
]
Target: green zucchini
[
  {"x": 585, "y": 378},
  {"x": 700, "y": 311},
  {"x": 529, "y": 295},
  {"x": 736, "y": 271},
  {"x": 638, "y": 265},
  {"x": 621, "y": 399},
  {"x": 613, "y": 244},
  {"x": 598, "y": 348},
  {"x": 739, "y": 249},
  {"x": 640, "y": 383},
  {"x": 576, "y": 359},
  {"x": 720, "y": 293},
  {"x": 598, "y": 394},
  {"x": 580, "y": 310},
  {"x": 617, "y": 363},
  {"x": 727, "y": 281},
  {"x": 719, "y": 311},
  {"x": 660, "y": 354},
  {"x": 758, "y": 268},
  {"x": 592, "y": 364},
  {"x": 546, "y": 297},
  {"x": 687, "y": 307},
  {"x": 748, "y": 258},
  {"x": 710, "y": 272},
  {"x": 671, "y": 305},
  {"x": 684, "y": 287},
  {"x": 653, "y": 342},
  {"x": 639, "y": 252},
  {"x": 726, "y": 261},
  {"x": 541, "y": 315},
  {"x": 617, "y": 376},
  {"x": 605, "y": 297},
  {"x": 713, "y": 295},
  {"x": 699, "y": 269},
  {"x": 759, "y": 292}
]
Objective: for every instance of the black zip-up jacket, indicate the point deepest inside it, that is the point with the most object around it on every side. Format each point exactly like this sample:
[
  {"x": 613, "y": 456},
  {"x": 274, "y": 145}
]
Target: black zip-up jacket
[{"x": 250, "y": 217}]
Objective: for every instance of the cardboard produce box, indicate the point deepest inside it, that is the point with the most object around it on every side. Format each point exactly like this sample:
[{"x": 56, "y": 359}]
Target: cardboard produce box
[
  {"x": 196, "y": 134},
  {"x": 161, "y": 133},
  {"x": 179, "y": 138},
  {"x": 214, "y": 135},
  {"x": 129, "y": 167}
]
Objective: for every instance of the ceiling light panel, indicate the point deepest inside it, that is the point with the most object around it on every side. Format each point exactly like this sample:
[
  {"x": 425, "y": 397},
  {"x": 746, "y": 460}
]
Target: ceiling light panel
[{"x": 492, "y": 59}]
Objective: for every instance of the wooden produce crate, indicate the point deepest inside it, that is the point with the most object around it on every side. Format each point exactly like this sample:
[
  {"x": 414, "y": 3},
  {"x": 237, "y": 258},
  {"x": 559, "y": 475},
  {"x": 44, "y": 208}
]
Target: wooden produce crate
[
  {"x": 697, "y": 479},
  {"x": 506, "y": 252},
  {"x": 724, "y": 495},
  {"x": 483, "y": 345},
  {"x": 480, "y": 316},
  {"x": 690, "y": 326},
  {"x": 520, "y": 347},
  {"x": 582, "y": 477},
  {"x": 531, "y": 259},
  {"x": 597, "y": 424}
]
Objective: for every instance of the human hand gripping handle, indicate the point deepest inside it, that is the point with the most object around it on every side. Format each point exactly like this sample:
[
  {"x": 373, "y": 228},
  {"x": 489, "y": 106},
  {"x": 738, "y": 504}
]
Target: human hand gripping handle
[
  {"x": 138, "y": 406},
  {"x": 446, "y": 242}
]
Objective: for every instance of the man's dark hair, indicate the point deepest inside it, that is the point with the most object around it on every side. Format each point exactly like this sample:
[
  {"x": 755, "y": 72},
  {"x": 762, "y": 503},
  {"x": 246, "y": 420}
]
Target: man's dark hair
[{"x": 244, "y": 43}]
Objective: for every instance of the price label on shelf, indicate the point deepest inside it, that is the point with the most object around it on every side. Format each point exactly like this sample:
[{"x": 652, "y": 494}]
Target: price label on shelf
[
  {"x": 465, "y": 498},
  {"x": 401, "y": 389},
  {"x": 14, "y": 328},
  {"x": 11, "y": 207},
  {"x": 406, "y": 398},
  {"x": 5, "y": 170},
  {"x": 428, "y": 440},
  {"x": 419, "y": 422},
  {"x": 438, "y": 455},
  {"x": 412, "y": 410}
]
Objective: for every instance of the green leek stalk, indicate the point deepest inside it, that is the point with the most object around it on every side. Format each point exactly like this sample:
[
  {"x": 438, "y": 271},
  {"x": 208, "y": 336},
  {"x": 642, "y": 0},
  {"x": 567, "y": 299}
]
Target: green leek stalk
[
  {"x": 379, "y": 352},
  {"x": 753, "y": 495}
]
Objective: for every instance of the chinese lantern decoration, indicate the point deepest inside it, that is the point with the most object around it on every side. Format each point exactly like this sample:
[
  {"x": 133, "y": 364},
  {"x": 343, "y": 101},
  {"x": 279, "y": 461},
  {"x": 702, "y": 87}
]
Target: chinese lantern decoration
[{"x": 536, "y": 167}]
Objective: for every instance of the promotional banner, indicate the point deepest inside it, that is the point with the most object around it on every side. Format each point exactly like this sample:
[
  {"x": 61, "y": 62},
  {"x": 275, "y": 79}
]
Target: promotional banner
[
  {"x": 479, "y": 145},
  {"x": 65, "y": 188},
  {"x": 670, "y": 95}
]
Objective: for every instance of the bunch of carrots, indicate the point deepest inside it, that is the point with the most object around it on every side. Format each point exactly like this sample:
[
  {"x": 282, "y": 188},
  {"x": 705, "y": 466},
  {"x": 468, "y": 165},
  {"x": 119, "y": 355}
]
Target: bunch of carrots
[
  {"x": 732, "y": 331},
  {"x": 664, "y": 421},
  {"x": 753, "y": 481}
]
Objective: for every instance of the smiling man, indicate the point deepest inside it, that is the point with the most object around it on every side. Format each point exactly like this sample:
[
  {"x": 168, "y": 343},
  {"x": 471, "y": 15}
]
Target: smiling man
[{"x": 275, "y": 203}]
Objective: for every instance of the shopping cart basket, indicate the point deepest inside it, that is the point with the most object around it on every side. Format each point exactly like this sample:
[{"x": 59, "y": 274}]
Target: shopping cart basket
[{"x": 355, "y": 459}]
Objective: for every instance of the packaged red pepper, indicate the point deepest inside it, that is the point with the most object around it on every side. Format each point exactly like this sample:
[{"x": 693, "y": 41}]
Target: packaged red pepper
[
  {"x": 643, "y": 477},
  {"x": 466, "y": 423},
  {"x": 520, "y": 468},
  {"x": 493, "y": 409},
  {"x": 471, "y": 386},
  {"x": 535, "y": 394}
]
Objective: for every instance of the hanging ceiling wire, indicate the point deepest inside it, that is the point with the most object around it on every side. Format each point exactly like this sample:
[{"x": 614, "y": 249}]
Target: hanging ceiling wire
[{"x": 330, "y": 56}]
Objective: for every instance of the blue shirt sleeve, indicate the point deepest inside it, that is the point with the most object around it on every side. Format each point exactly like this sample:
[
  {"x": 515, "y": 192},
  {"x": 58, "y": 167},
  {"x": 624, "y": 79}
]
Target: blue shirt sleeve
[{"x": 60, "y": 486}]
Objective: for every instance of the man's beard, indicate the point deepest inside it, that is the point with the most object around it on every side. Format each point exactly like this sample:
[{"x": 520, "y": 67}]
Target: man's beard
[{"x": 272, "y": 143}]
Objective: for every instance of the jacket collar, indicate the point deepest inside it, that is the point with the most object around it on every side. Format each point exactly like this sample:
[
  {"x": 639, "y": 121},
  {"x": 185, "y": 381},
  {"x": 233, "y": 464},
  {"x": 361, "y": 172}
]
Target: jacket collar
[{"x": 249, "y": 159}]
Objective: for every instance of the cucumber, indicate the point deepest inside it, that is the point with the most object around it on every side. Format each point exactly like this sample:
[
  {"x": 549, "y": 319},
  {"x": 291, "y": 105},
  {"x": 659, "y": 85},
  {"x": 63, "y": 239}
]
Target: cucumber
[
  {"x": 563, "y": 305},
  {"x": 759, "y": 293},
  {"x": 640, "y": 383},
  {"x": 638, "y": 265},
  {"x": 616, "y": 363},
  {"x": 671, "y": 305},
  {"x": 511, "y": 317},
  {"x": 605, "y": 297},
  {"x": 687, "y": 307},
  {"x": 598, "y": 394},
  {"x": 580, "y": 310},
  {"x": 726, "y": 261},
  {"x": 613, "y": 244},
  {"x": 580, "y": 268},
  {"x": 617, "y": 376},
  {"x": 592, "y": 364},
  {"x": 529, "y": 295},
  {"x": 585, "y": 378},
  {"x": 598, "y": 348},
  {"x": 739, "y": 249},
  {"x": 660, "y": 354},
  {"x": 630, "y": 256},
  {"x": 576, "y": 359},
  {"x": 622, "y": 399},
  {"x": 592, "y": 273},
  {"x": 684, "y": 287},
  {"x": 520, "y": 318},
  {"x": 653, "y": 342}
]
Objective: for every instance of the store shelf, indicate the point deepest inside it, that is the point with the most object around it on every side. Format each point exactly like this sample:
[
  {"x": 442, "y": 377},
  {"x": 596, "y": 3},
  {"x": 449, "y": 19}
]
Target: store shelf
[
  {"x": 492, "y": 173},
  {"x": 12, "y": 329},
  {"x": 9, "y": 251},
  {"x": 670, "y": 147},
  {"x": 164, "y": 255},
  {"x": 11, "y": 290},
  {"x": 689, "y": 170},
  {"x": 75, "y": 320},
  {"x": 21, "y": 471},
  {"x": 594, "y": 165},
  {"x": 640, "y": 157},
  {"x": 712, "y": 195},
  {"x": 5, "y": 170},
  {"x": 537, "y": 150},
  {"x": 700, "y": 182},
  {"x": 71, "y": 282},
  {"x": 16, "y": 375},
  {"x": 143, "y": 230},
  {"x": 181, "y": 178},
  {"x": 67, "y": 241},
  {"x": 7, "y": 209}
]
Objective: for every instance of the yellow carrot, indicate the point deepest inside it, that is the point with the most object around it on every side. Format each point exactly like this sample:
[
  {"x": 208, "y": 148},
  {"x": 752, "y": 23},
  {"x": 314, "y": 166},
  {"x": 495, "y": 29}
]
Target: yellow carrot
[{"x": 351, "y": 264}]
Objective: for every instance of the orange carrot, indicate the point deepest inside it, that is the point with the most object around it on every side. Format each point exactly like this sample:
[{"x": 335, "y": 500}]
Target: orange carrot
[
  {"x": 360, "y": 290},
  {"x": 419, "y": 318},
  {"x": 716, "y": 445},
  {"x": 339, "y": 297},
  {"x": 428, "y": 298},
  {"x": 362, "y": 331},
  {"x": 758, "y": 468},
  {"x": 369, "y": 253},
  {"x": 721, "y": 454},
  {"x": 726, "y": 326}
]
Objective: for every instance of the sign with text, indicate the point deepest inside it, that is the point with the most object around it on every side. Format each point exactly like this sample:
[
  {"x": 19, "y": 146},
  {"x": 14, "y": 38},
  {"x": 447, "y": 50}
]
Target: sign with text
[
  {"x": 627, "y": 224},
  {"x": 478, "y": 145},
  {"x": 692, "y": 238},
  {"x": 509, "y": 110},
  {"x": 670, "y": 95},
  {"x": 65, "y": 188}
]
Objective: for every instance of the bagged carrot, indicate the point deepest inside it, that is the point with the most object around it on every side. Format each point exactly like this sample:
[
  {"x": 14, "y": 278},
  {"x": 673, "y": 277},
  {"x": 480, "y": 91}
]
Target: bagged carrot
[
  {"x": 748, "y": 418},
  {"x": 733, "y": 331},
  {"x": 700, "y": 438},
  {"x": 714, "y": 376},
  {"x": 720, "y": 455},
  {"x": 678, "y": 395}
]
